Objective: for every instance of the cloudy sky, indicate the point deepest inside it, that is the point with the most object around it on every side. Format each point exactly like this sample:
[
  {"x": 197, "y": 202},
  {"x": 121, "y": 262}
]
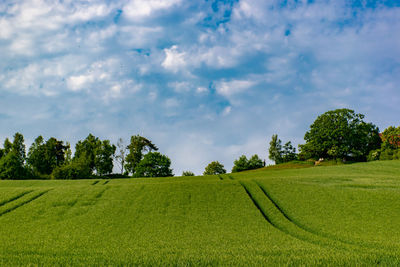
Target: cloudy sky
[{"x": 204, "y": 79}]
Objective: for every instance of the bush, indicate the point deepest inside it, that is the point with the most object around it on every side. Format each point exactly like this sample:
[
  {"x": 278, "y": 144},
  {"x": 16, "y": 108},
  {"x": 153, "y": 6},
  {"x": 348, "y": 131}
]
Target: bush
[
  {"x": 214, "y": 168},
  {"x": 74, "y": 170},
  {"x": 187, "y": 173},
  {"x": 374, "y": 155}
]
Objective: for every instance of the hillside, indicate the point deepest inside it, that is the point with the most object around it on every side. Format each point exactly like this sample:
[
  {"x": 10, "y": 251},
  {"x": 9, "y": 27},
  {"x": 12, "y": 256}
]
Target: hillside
[{"x": 334, "y": 215}]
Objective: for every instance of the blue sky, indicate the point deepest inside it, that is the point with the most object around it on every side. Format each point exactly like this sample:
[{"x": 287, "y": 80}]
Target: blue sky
[{"x": 204, "y": 80}]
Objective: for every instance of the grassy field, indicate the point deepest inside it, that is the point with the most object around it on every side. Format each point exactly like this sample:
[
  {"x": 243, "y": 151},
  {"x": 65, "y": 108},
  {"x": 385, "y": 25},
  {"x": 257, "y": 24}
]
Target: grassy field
[{"x": 336, "y": 215}]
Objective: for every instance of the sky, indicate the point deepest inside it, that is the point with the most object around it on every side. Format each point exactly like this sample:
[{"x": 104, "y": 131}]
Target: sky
[{"x": 204, "y": 80}]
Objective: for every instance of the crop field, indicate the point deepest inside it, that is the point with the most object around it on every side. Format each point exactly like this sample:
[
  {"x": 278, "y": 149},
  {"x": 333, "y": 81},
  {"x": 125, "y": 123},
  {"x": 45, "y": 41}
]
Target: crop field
[{"x": 334, "y": 215}]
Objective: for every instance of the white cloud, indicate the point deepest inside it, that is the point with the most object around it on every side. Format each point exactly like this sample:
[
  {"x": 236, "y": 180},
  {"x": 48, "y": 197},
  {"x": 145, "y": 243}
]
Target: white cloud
[
  {"x": 202, "y": 90},
  {"x": 77, "y": 83},
  {"x": 233, "y": 87},
  {"x": 174, "y": 60},
  {"x": 227, "y": 111},
  {"x": 180, "y": 87},
  {"x": 139, "y": 9}
]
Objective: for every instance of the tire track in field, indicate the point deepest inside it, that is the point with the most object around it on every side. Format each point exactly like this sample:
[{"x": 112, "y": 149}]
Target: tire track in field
[
  {"x": 275, "y": 216},
  {"x": 4, "y": 202},
  {"x": 36, "y": 196}
]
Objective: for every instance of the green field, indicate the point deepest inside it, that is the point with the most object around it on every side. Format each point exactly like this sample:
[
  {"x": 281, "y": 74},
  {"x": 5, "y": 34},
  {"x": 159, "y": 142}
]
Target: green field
[{"x": 335, "y": 215}]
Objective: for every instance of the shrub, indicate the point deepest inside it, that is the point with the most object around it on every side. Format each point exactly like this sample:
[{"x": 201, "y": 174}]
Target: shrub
[
  {"x": 187, "y": 173},
  {"x": 74, "y": 170}
]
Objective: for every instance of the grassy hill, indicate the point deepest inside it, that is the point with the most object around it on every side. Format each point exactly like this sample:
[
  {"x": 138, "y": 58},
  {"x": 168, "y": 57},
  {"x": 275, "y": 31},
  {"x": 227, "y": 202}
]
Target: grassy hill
[{"x": 335, "y": 215}]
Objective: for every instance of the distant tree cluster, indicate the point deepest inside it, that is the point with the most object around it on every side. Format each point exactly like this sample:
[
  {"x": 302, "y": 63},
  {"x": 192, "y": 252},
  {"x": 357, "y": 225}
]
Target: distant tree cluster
[
  {"x": 52, "y": 159},
  {"x": 339, "y": 134},
  {"x": 244, "y": 164},
  {"x": 390, "y": 146}
]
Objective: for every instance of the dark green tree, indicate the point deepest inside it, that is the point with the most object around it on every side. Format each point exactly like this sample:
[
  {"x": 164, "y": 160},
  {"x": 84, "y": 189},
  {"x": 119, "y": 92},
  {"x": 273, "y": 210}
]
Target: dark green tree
[
  {"x": 85, "y": 151},
  {"x": 255, "y": 163},
  {"x": 12, "y": 164},
  {"x": 137, "y": 147},
  {"x": 289, "y": 152},
  {"x": 241, "y": 164},
  {"x": 45, "y": 157},
  {"x": 104, "y": 157},
  {"x": 340, "y": 134},
  {"x": 154, "y": 164},
  {"x": 214, "y": 168}
]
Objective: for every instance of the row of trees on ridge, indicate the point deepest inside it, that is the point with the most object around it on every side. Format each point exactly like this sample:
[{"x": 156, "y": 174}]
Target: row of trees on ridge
[{"x": 93, "y": 157}]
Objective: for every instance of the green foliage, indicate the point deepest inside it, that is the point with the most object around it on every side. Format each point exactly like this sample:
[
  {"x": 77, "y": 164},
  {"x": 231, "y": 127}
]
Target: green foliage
[
  {"x": 104, "y": 157},
  {"x": 96, "y": 154},
  {"x": 74, "y": 170},
  {"x": 214, "y": 168},
  {"x": 137, "y": 147},
  {"x": 45, "y": 157},
  {"x": 340, "y": 134},
  {"x": 242, "y": 164},
  {"x": 154, "y": 164},
  {"x": 289, "y": 152},
  {"x": 187, "y": 173},
  {"x": 275, "y": 149},
  {"x": 278, "y": 154},
  {"x": 12, "y": 168}
]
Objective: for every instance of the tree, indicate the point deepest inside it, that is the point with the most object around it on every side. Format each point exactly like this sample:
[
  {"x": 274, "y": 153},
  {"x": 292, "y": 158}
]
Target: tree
[
  {"x": 86, "y": 151},
  {"x": 154, "y": 164},
  {"x": 120, "y": 158},
  {"x": 137, "y": 147},
  {"x": 289, "y": 152},
  {"x": 12, "y": 164},
  {"x": 104, "y": 154},
  {"x": 255, "y": 163},
  {"x": 391, "y": 138},
  {"x": 45, "y": 157},
  {"x": 340, "y": 134},
  {"x": 214, "y": 168},
  {"x": 241, "y": 164},
  {"x": 275, "y": 149},
  {"x": 187, "y": 173}
]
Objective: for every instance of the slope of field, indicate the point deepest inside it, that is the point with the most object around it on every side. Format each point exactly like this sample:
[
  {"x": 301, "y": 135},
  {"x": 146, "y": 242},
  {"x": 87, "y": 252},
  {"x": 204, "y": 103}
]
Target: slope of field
[{"x": 334, "y": 215}]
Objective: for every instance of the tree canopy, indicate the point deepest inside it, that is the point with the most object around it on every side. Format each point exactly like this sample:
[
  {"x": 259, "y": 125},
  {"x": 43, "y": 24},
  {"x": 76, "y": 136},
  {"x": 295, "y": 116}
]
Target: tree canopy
[
  {"x": 214, "y": 168},
  {"x": 340, "y": 134}
]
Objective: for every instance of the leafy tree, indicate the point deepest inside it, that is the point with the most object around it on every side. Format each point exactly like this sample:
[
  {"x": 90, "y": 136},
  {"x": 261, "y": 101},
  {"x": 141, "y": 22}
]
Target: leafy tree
[
  {"x": 7, "y": 146},
  {"x": 85, "y": 151},
  {"x": 275, "y": 149},
  {"x": 187, "y": 173},
  {"x": 289, "y": 152},
  {"x": 154, "y": 164},
  {"x": 340, "y": 134},
  {"x": 391, "y": 138},
  {"x": 12, "y": 164},
  {"x": 137, "y": 147},
  {"x": 255, "y": 163},
  {"x": 214, "y": 168},
  {"x": 241, "y": 164},
  {"x": 45, "y": 157},
  {"x": 104, "y": 157}
]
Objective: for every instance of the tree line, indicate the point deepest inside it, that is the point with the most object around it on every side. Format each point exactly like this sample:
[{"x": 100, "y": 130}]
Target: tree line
[
  {"x": 93, "y": 157},
  {"x": 339, "y": 135}
]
